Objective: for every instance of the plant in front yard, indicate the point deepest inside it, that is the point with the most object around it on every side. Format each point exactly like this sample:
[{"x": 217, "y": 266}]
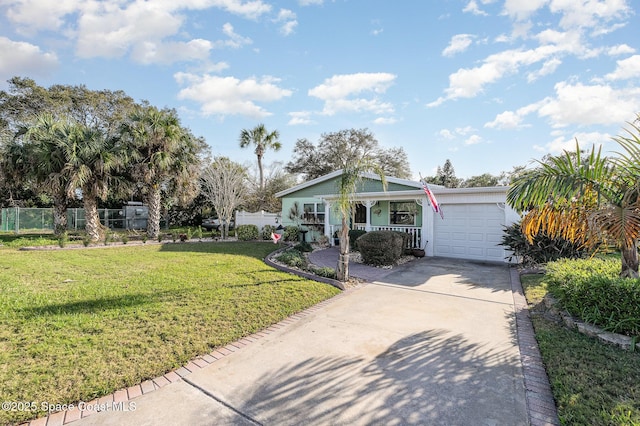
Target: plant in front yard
[
  {"x": 586, "y": 198},
  {"x": 590, "y": 289},
  {"x": 247, "y": 232},
  {"x": 593, "y": 383}
]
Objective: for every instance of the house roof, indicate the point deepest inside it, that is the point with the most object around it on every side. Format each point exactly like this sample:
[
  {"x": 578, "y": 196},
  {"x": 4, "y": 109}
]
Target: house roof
[{"x": 332, "y": 175}]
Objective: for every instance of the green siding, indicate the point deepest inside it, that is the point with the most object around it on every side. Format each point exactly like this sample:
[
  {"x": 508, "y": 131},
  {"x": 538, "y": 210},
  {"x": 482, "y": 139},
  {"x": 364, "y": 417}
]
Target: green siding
[{"x": 331, "y": 187}]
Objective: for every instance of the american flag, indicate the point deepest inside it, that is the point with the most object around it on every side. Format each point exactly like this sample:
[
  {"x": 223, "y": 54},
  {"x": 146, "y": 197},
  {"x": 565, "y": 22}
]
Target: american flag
[{"x": 432, "y": 198}]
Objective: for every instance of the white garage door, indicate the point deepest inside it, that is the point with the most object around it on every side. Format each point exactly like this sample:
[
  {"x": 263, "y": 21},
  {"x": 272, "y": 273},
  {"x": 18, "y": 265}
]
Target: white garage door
[{"x": 470, "y": 231}]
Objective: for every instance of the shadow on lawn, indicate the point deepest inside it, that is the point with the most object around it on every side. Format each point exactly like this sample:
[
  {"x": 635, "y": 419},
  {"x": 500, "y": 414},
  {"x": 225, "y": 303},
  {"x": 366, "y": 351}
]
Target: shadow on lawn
[
  {"x": 431, "y": 377},
  {"x": 96, "y": 305}
]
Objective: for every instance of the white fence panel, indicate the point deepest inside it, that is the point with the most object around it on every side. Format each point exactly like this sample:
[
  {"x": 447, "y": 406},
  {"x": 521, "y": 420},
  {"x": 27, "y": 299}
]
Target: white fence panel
[{"x": 260, "y": 219}]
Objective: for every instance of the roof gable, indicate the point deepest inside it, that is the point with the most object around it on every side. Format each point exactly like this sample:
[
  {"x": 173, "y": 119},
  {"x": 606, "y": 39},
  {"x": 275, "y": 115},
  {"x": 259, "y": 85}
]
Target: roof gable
[{"x": 328, "y": 184}]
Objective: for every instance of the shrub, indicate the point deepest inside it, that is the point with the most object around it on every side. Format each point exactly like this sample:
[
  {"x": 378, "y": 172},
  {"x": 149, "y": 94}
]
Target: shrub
[
  {"x": 406, "y": 242},
  {"x": 267, "y": 230},
  {"x": 591, "y": 290},
  {"x": 381, "y": 247},
  {"x": 124, "y": 238},
  {"x": 323, "y": 272},
  {"x": 543, "y": 249},
  {"x": 354, "y": 234},
  {"x": 63, "y": 239},
  {"x": 247, "y": 232},
  {"x": 303, "y": 247},
  {"x": 292, "y": 258},
  {"x": 291, "y": 233}
]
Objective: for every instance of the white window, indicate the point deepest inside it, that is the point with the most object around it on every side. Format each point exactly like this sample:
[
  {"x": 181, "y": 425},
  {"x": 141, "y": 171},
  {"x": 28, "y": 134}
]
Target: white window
[{"x": 313, "y": 213}]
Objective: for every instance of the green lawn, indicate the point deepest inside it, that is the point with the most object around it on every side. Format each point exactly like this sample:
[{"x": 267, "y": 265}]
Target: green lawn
[
  {"x": 79, "y": 324},
  {"x": 592, "y": 383}
]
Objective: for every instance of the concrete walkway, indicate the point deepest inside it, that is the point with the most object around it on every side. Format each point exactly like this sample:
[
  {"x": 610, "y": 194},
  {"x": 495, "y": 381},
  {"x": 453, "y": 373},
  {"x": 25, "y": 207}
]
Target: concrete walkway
[{"x": 431, "y": 342}]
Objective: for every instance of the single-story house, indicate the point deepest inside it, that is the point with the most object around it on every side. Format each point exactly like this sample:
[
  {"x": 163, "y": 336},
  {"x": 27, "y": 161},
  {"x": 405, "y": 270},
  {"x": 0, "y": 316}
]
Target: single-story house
[{"x": 472, "y": 226}]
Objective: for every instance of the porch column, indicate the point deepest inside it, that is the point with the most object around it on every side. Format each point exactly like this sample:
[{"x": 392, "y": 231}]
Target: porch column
[
  {"x": 368, "y": 204},
  {"x": 427, "y": 226},
  {"x": 327, "y": 222}
]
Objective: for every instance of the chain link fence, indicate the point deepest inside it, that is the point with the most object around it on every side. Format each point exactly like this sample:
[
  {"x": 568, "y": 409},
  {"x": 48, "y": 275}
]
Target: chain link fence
[{"x": 18, "y": 219}]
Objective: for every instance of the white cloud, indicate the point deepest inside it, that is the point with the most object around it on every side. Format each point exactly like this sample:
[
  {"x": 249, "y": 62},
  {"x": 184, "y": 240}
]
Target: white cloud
[
  {"x": 620, "y": 49},
  {"x": 17, "y": 57},
  {"x": 473, "y": 140},
  {"x": 447, "y": 134},
  {"x": 337, "y": 90},
  {"x": 595, "y": 14},
  {"x": 385, "y": 120},
  {"x": 459, "y": 43},
  {"x": 472, "y": 7},
  {"x": 288, "y": 20},
  {"x": 626, "y": 69},
  {"x": 549, "y": 67},
  {"x": 470, "y": 82},
  {"x": 235, "y": 40},
  {"x": 563, "y": 143},
  {"x": 300, "y": 118},
  {"x": 521, "y": 10},
  {"x": 116, "y": 28},
  {"x": 108, "y": 31},
  {"x": 310, "y": 2},
  {"x": 578, "y": 104},
  {"x": 229, "y": 95},
  {"x": 167, "y": 53},
  {"x": 32, "y": 16}
]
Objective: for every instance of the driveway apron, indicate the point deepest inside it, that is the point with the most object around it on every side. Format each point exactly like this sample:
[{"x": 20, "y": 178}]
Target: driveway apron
[{"x": 432, "y": 342}]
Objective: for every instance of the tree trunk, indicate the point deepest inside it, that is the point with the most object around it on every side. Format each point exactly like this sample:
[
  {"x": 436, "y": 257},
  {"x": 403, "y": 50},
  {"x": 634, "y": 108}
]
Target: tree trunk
[
  {"x": 261, "y": 174},
  {"x": 152, "y": 200},
  {"x": 59, "y": 217},
  {"x": 629, "y": 257},
  {"x": 95, "y": 230},
  {"x": 342, "y": 270}
]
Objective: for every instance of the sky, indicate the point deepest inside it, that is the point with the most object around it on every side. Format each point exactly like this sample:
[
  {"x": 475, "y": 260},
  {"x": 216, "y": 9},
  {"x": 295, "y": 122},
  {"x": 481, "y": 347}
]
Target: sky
[{"x": 487, "y": 84}]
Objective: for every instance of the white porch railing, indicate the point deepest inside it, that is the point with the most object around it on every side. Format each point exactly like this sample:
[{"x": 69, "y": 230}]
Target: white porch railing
[{"x": 416, "y": 233}]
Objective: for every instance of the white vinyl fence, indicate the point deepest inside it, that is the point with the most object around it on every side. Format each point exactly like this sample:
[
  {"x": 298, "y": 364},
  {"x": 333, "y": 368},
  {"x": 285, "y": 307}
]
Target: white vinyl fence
[{"x": 260, "y": 219}]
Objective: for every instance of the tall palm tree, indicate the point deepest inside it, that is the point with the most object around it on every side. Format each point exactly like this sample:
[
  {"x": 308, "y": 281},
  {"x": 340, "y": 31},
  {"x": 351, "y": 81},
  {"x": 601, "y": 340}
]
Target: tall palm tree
[
  {"x": 263, "y": 140},
  {"x": 45, "y": 148},
  {"x": 162, "y": 155},
  {"x": 350, "y": 180},
  {"x": 93, "y": 161},
  {"x": 589, "y": 198},
  {"x": 70, "y": 159}
]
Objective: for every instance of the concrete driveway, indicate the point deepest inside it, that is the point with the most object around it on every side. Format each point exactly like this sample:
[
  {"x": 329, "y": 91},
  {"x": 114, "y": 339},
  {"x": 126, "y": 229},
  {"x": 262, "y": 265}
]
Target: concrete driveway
[{"x": 433, "y": 342}]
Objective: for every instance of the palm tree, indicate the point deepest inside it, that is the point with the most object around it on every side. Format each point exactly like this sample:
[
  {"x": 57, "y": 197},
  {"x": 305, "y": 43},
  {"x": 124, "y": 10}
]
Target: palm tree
[
  {"x": 70, "y": 159},
  {"x": 589, "y": 198},
  {"x": 263, "y": 140},
  {"x": 350, "y": 179},
  {"x": 93, "y": 163},
  {"x": 162, "y": 155},
  {"x": 45, "y": 150}
]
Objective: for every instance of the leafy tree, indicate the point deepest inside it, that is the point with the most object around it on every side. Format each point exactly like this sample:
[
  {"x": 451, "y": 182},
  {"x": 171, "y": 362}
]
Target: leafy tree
[
  {"x": 224, "y": 183},
  {"x": 277, "y": 180},
  {"x": 262, "y": 140},
  {"x": 445, "y": 176},
  {"x": 338, "y": 150},
  {"x": 24, "y": 99},
  {"x": 485, "y": 179},
  {"x": 586, "y": 196},
  {"x": 162, "y": 157},
  {"x": 351, "y": 178}
]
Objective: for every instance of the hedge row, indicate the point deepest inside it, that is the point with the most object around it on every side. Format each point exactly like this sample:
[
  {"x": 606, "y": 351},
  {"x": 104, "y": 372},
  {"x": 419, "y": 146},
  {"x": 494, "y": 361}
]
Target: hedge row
[{"x": 590, "y": 289}]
